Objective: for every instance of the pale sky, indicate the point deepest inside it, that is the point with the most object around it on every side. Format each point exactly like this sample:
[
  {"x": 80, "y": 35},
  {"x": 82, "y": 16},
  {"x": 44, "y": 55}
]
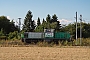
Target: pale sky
[{"x": 64, "y": 9}]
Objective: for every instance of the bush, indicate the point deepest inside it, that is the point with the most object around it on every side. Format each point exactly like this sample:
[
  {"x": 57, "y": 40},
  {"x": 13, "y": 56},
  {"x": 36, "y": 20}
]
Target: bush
[{"x": 14, "y": 35}]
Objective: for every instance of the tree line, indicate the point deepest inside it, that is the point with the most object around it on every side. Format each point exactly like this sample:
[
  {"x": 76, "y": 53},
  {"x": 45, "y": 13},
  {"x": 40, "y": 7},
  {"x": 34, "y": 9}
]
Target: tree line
[
  {"x": 9, "y": 29},
  {"x": 50, "y": 22}
]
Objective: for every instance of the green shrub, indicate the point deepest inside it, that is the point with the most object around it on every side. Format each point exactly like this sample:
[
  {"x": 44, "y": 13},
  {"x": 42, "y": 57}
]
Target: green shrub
[{"x": 14, "y": 35}]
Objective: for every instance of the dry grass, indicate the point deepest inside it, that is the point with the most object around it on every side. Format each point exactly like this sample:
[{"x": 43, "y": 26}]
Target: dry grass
[{"x": 44, "y": 53}]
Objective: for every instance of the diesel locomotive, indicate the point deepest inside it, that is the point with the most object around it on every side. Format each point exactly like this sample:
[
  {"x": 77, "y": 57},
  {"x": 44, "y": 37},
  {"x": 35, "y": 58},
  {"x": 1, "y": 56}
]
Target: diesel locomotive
[{"x": 48, "y": 35}]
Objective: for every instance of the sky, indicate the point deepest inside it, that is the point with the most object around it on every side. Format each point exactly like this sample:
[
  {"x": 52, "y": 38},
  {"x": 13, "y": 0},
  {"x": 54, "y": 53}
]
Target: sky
[{"x": 64, "y": 9}]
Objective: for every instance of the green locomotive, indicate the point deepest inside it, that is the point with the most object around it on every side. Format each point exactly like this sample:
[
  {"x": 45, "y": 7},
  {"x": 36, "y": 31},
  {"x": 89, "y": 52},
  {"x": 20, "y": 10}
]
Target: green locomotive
[{"x": 47, "y": 35}]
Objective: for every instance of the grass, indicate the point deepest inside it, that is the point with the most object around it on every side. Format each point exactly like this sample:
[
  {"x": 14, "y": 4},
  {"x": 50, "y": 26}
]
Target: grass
[
  {"x": 18, "y": 43},
  {"x": 84, "y": 42},
  {"x": 7, "y": 43}
]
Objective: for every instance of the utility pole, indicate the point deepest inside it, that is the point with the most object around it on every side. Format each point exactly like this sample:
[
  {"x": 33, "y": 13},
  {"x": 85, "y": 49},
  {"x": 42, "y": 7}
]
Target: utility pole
[
  {"x": 19, "y": 23},
  {"x": 76, "y": 28},
  {"x": 80, "y": 29}
]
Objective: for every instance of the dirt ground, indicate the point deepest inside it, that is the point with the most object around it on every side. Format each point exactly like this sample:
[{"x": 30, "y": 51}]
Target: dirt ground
[{"x": 44, "y": 53}]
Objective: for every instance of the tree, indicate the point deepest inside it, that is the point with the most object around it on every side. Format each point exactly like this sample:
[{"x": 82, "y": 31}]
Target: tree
[
  {"x": 53, "y": 25},
  {"x": 39, "y": 28},
  {"x": 38, "y": 21},
  {"x": 43, "y": 21},
  {"x": 13, "y": 27},
  {"x": 86, "y": 30},
  {"x": 28, "y": 23},
  {"x": 48, "y": 18},
  {"x": 54, "y": 19},
  {"x": 1, "y": 32},
  {"x": 71, "y": 28},
  {"x": 33, "y": 25},
  {"x": 6, "y": 25}
]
